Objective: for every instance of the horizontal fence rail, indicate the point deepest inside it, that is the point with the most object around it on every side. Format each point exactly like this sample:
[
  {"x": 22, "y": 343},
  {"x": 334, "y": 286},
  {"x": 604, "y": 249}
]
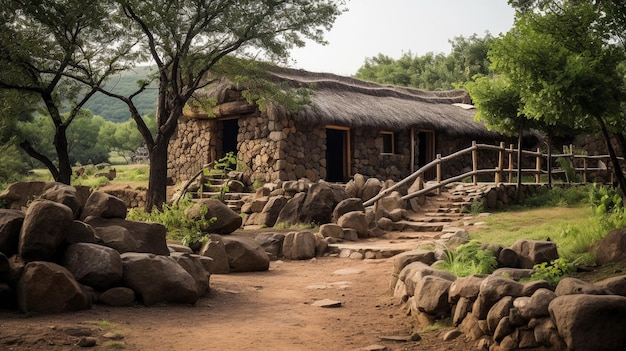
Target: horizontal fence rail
[{"x": 576, "y": 164}]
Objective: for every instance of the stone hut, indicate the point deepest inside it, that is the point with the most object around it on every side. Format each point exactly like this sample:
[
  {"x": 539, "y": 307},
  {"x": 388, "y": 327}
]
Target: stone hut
[{"x": 350, "y": 126}]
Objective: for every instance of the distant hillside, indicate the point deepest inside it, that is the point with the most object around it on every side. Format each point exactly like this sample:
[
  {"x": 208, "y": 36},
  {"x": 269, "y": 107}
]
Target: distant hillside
[{"x": 112, "y": 109}]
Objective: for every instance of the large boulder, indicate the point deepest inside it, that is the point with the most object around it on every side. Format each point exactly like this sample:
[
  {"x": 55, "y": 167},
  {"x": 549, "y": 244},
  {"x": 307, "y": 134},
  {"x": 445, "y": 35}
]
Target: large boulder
[
  {"x": 158, "y": 279},
  {"x": 118, "y": 238},
  {"x": 290, "y": 213},
  {"x": 148, "y": 237},
  {"x": 94, "y": 265},
  {"x": 46, "y": 287},
  {"x": 319, "y": 203},
  {"x": 119, "y": 296},
  {"x": 532, "y": 252},
  {"x": 616, "y": 285},
  {"x": 272, "y": 243},
  {"x": 191, "y": 263},
  {"x": 43, "y": 230},
  {"x": 299, "y": 245},
  {"x": 245, "y": 254},
  {"x": 590, "y": 322},
  {"x": 492, "y": 289},
  {"x": 226, "y": 220},
  {"x": 17, "y": 195},
  {"x": 403, "y": 259},
  {"x": 370, "y": 188},
  {"x": 612, "y": 248},
  {"x": 101, "y": 204},
  {"x": 10, "y": 225},
  {"x": 348, "y": 205},
  {"x": 431, "y": 295},
  {"x": 216, "y": 250},
  {"x": 66, "y": 195},
  {"x": 80, "y": 232},
  {"x": 572, "y": 286},
  {"x": 355, "y": 220}
]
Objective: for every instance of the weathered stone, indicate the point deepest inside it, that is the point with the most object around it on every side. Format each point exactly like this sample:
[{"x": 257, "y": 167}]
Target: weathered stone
[
  {"x": 216, "y": 250},
  {"x": 513, "y": 273},
  {"x": 462, "y": 308},
  {"x": 416, "y": 271},
  {"x": 590, "y": 322},
  {"x": 101, "y": 204},
  {"x": 497, "y": 312},
  {"x": 226, "y": 220},
  {"x": 272, "y": 209},
  {"x": 331, "y": 230},
  {"x": 43, "y": 230},
  {"x": 194, "y": 267},
  {"x": 503, "y": 329},
  {"x": 508, "y": 258},
  {"x": 17, "y": 195},
  {"x": 299, "y": 245},
  {"x": 10, "y": 224},
  {"x": 46, "y": 287},
  {"x": 355, "y": 220},
  {"x": 66, "y": 195},
  {"x": 258, "y": 203},
  {"x": 546, "y": 334},
  {"x": 80, "y": 232},
  {"x": 118, "y": 238},
  {"x": 532, "y": 252},
  {"x": 492, "y": 289},
  {"x": 470, "y": 327},
  {"x": 616, "y": 285},
  {"x": 290, "y": 214},
  {"x": 272, "y": 243},
  {"x": 403, "y": 259},
  {"x": 149, "y": 237},
  {"x": 319, "y": 203},
  {"x": 348, "y": 205},
  {"x": 612, "y": 248},
  {"x": 466, "y": 287},
  {"x": 94, "y": 265},
  {"x": 119, "y": 296},
  {"x": 245, "y": 255},
  {"x": 431, "y": 295},
  {"x": 179, "y": 248},
  {"x": 537, "y": 305},
  {"x": 571, "y": 286},
  {"x": 370, "y": 188},
  {"x": 532, "y": 286},
  {"x": 158, "y": 279}
]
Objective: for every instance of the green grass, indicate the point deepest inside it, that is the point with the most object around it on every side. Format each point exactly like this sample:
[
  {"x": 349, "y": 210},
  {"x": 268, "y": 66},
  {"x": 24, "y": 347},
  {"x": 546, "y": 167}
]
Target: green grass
[{"x": 136, "y": 174}]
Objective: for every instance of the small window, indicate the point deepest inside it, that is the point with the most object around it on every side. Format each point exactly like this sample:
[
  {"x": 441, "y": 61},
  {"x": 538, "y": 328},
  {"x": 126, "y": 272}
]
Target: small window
[{"x": 389, "y": 143}]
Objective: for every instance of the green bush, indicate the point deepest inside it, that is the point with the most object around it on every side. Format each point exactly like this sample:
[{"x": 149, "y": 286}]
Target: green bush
[
  {"x": 469, "y": 259},
  {"x": 553, "y": 271},
  {"x": 180, "y": 227}
]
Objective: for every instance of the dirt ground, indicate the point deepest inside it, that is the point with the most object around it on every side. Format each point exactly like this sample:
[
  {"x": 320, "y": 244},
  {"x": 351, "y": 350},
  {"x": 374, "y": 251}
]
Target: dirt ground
[{"x": 270, "y": 310}]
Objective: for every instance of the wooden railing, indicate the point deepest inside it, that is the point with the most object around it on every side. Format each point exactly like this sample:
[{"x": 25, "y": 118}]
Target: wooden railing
[{"x": 500, "y": 172}]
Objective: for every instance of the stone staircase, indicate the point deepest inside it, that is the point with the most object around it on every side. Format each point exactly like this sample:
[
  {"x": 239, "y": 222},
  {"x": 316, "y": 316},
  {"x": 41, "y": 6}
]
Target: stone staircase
[
  {"x": 438, "y": 218},
  {"x": 214, "y": 187}
]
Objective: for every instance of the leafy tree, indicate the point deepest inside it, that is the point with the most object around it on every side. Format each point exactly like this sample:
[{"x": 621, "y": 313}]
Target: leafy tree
[
  {"x": 14, "y": 108},
  {"x": 566, "y": 69},
  {"x": 123, "y": 138},
  {"x": 187, "y": 38},
  {"x": 42, "y": 42},
  {"x": 431, "y": 71}
]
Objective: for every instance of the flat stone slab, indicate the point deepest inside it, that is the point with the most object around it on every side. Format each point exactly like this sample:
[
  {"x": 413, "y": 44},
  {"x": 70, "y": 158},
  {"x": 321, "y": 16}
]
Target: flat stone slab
[
  {"x": 402, "y": 338},
  {"x": 327, "y": 303},
  {"x": 347, "y": 271}
]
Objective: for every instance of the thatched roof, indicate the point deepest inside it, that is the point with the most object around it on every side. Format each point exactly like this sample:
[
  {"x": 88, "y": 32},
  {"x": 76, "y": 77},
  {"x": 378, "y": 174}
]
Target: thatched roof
[{"x": 351, "y": 102}]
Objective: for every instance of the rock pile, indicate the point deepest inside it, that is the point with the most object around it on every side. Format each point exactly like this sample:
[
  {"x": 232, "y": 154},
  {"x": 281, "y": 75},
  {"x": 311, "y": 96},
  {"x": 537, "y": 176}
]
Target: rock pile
[
  {"x": 69, "y": 248},
  {"x": 498, "y": 312}
]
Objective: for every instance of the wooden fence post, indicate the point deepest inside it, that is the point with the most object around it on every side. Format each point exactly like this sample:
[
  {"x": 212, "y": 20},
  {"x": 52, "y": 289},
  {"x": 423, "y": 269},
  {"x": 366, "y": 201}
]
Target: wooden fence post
[
  {"x": 500, "y": 162},
  {"x": 511, "y": 164},
  {"x": 475, "y": 162},
  {"x": 439, "y": 173},
  {"x": 538, "y": 167}
]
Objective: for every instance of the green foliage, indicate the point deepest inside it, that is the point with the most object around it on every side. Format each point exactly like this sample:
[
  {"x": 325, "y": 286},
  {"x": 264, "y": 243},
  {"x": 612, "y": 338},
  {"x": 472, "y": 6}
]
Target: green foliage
[
  {"x": 605, "y": 200},
  {"x": 469, "y": 259},
  {"x": 222, "y": 167},
  {"x": 180, "y": 227},
  {"x": 553, "y": 271},
  {"x": 556, "y": 197},
  {"x": 477, "y": 207}
]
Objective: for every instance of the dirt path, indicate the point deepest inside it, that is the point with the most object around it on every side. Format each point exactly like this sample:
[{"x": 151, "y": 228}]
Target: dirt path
[{"x": 247, "y": 311}]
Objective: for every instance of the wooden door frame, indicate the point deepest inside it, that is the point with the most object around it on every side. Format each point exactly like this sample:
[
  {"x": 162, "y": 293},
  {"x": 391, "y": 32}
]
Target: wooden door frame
[{"x": 347, "y": 159}]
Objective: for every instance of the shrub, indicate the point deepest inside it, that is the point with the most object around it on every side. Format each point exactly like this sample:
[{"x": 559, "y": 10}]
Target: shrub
[
  {"x": 554, "y": 271},
  {"x": 469, "y": 259}
]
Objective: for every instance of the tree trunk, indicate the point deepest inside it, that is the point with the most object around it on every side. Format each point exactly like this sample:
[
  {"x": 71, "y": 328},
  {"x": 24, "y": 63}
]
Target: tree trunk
[
  {"x": 157, "y": 180},
  {"x": 518, "y": 186},
  {"x": 61, "y": 146},
  {"x": 617, "y": 168},
  {"x": 549, "y": 160},
  {"x": 25, "y": 145}
]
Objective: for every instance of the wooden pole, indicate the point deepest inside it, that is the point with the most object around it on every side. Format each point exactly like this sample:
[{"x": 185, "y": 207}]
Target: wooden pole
[
  {"x": 412, "y": 150},
  {"x": 538, "y": 167},
  {"x": 475, "y": 162},
  {"x": 500, "y": 163},
  {"x": 511, "y": 163},
  {"x": 438, "y": 173}
]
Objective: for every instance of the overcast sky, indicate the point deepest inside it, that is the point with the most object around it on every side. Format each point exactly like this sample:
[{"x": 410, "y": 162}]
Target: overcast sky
[{"x": 393, "y": 27}]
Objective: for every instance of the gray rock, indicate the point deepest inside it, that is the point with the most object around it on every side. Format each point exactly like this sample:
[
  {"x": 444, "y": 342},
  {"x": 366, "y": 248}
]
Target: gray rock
[
  {"x": 216, "y": 250},
  {"x": 467, "y": 287},
  {"x": 194, "y": 267},
  {"x": 462, "y": 308},
  {"x": 10, "y": 225},
  {"x": 350, "y": 234},
  {"x": 355, "y": 220},
  {"x": 616, "y": 285},
  {"x": 43, "y": 230},
  {"x": 370, "y": 188},
  {"x": 532, "y": 252},
  {"x": 245, "y": 255},
  {"x": 117, "y": 238},
  {"x": 513, "y": 273},
  {"x": 46, "y": 287},
  {"x": 497, "y": 312},
  {"x": 158, "y": 279},
  {"x": 574, "y": 314},
  {"x": 403, "y": 259},
  {"x": 272, "y": 243},
  {"x": 227, "y": 220},
  {"x": 571, "y": 286},
  {"x": 119, "y": 296},
  {"x": 331, "y": 230},
  {"x": 492, "y": 289},
  {"x": 416, "y": 271},
  {"x": 319, "y": 203},
  {"x": 94, "y": 265},
  {"x": 532, "y": 286},
  {"x": 299, "y": 245},
  {"x": 508, "y": 258},
  {"x": 503, "y": 329},
  {"x": 537, "y": 306},
  {"x": 17, "y": 195},
  {"x": 66, "y": 195},
  {"x": 149, "y": 237},
  {"x": 348, "y": 205},
  {"x": 81, "y": 232},
  {"x": 179, "y": 248},
  {"x": 431, "y": 295},
  {"x": 290, "y": 214},
  {"x": 272, "y": 209},
  {"x": 101, "y": 204},
  {"x": 612, "y": 248}
]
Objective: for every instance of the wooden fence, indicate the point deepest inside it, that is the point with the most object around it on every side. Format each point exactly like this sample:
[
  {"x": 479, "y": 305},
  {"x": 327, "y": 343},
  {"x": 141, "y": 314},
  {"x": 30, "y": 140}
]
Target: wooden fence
[{"x": 505, "y": 169}]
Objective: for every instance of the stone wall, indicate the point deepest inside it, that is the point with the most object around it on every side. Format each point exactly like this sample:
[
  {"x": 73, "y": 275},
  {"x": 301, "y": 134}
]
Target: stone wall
[{"x": 191, "y": 147}]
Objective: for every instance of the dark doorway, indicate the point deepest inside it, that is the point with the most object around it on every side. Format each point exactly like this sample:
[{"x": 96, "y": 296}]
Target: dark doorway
[
  {"x": 230, "y": 130},
  {"x": 337, "y": 158}
]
